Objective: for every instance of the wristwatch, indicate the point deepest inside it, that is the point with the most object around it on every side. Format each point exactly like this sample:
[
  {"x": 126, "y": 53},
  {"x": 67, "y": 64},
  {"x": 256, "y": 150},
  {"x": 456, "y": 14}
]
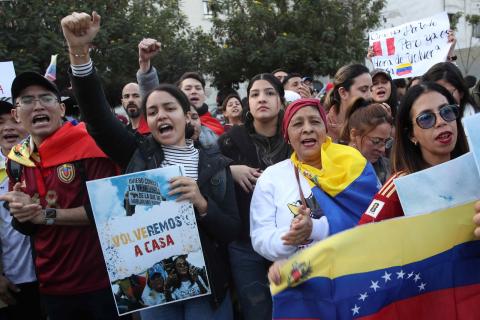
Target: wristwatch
[{"x": 50, "y": 216}]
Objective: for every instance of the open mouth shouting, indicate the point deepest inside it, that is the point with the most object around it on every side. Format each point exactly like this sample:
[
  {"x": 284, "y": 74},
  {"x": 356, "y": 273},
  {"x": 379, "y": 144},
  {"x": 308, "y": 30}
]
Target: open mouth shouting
[
  {"x": 40, "y": 120},
  {"x": 165, "y": 128},
  {"x": 445, "y": 137},
  {"x": 381, "y": 93},
  {"x": 11, "y": 137},
  {"x": 309, "y": 142}
]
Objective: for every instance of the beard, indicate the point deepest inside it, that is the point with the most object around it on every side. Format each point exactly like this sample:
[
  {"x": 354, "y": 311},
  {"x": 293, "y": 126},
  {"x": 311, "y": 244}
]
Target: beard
[{"x": 133, "y": 112}]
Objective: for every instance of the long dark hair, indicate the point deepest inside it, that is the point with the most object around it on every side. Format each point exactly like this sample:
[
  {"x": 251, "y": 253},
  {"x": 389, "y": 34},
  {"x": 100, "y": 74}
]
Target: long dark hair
[
  {"x": 179, "y": 96},
  {"x": 233, "y": 96},
  {"x": 448, "y": 72},
  {"x": 406, "y": 155},
  {"x": 277, "y": 86},
  {"x": 392, "y": 101},
  {"x": 343, "y": 78},
  {"x": 364, "y": 117}
]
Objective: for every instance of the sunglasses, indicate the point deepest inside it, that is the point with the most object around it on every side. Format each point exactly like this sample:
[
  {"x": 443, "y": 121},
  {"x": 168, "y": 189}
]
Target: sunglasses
[
  {"x": 427, "y": 120},
  {"x": 376, "y": 141}
]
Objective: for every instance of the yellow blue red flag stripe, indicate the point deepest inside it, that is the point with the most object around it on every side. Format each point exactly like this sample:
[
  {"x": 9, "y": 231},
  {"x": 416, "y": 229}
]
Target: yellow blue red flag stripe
[
  {"x": 422, "y": 267},
  {"x": 344, "y": 187}
]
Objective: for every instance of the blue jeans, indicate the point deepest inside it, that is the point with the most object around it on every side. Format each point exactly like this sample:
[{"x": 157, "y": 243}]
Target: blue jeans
[
  {"x": 249, "y": 271},
  {"x": 192, "y": 309}
]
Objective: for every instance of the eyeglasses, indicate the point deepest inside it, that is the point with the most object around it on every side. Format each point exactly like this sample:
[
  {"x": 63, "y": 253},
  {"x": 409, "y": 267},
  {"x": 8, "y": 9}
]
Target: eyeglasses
[
  {"x": 388, "y": 142},
  {"x": 427, "y": 120},
  {"x": 46, "y": 100}
]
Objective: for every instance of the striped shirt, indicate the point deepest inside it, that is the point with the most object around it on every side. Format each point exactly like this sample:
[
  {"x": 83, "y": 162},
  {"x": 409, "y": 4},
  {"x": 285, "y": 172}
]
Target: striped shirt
[{"x": 187, "y": 156}]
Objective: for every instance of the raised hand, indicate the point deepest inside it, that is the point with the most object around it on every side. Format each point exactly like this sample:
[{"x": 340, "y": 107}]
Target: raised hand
[
  {"x": 147, "y": 49},
  {"x": 79, "y": 30}
]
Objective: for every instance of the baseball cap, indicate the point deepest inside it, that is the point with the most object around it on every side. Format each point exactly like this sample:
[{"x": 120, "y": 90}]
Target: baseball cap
[
  {"x": 157, "y": 268},
  {"x": 27, "y": 79},
  {"x": 5, "y": 107},
  {"x": 375, "y": 72}
]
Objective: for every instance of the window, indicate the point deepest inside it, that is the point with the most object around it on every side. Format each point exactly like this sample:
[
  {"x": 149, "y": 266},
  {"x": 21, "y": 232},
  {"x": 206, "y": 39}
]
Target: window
[{"x": 206, "y": 8}]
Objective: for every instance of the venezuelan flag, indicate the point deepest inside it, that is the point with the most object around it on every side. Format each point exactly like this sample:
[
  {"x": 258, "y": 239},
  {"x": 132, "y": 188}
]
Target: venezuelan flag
[
  {"x": 403, "y": 69},
  {"x": 421, "y": 267},
  {"x": 51, "y": 72},
  {"x": 344, "y": 187}
]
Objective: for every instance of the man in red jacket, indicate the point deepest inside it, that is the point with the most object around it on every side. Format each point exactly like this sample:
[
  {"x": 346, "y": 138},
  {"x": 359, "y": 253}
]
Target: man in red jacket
[{"x": 49, "y": 200}]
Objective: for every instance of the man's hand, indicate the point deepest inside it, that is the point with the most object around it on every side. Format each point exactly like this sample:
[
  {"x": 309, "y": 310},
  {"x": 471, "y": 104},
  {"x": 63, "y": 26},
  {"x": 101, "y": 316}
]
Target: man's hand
[
  {"x": 304, "y": 91},
  {"x": 79, "y": 30},
  {"x": 147, "y": 49},
  {"x": 22, "y": 206},
  {"x": 6, "y": 287}
]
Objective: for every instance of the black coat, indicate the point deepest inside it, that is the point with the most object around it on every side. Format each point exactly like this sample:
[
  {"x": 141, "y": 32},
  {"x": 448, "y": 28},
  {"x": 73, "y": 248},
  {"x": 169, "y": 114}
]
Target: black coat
[{"x": 135, "y": 152}]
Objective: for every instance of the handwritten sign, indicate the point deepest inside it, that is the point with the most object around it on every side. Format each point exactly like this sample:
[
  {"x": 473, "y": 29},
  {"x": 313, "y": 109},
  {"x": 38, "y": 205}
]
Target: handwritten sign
[
  {"x": 7, "y": 74},
  {"x": 147, "y": 238},
  {"x": 410, "y": 49}
]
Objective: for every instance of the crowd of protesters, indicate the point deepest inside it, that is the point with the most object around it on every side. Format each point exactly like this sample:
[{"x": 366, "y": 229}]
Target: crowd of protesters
[{"x": 278, "y": 153}]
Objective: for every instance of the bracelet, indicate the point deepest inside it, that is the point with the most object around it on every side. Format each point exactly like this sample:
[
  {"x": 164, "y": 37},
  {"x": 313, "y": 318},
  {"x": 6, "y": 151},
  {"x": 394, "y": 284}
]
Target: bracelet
[
  {"x": 78, "y": 55},
  {"x": 452, "y": 58}
]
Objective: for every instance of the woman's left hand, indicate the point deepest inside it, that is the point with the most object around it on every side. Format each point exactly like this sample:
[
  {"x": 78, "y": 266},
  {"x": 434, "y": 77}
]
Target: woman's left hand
[
  {"x": 187, "y": 188},
  {"x": 300, "y": 229}
]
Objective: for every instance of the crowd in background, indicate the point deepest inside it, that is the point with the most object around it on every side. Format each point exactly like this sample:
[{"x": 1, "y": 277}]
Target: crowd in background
[{"x": 295, "y": 165}]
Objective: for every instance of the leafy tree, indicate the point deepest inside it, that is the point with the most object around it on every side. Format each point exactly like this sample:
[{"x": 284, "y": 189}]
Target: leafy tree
[
  {"x": 308, "y": 36},
  {"x": 31, "y": 32}
]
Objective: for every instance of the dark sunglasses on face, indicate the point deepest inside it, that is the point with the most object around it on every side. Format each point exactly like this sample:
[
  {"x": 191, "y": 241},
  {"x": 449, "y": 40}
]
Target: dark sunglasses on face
[{"x": 427, "y": 119}]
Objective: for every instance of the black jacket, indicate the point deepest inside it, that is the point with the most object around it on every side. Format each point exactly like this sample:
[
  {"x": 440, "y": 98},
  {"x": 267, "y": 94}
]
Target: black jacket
[
  {"x": 135, "y": 152},
  {"x": 238, "y": 145}
]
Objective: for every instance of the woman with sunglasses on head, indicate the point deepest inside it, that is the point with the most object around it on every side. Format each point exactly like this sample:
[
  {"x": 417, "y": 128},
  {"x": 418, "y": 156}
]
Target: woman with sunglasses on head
[
  {"x": 350, "y": 82},
  {"x": 428, "y": 132},
  {"x": 254, "y": 146},
  {"x": 450, "y": 77},
  {"x": 369, "y": 128}
]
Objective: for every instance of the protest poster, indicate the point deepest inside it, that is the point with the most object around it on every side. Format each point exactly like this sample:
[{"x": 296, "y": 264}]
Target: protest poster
[
  {"x": 410, "y": 49},
  {"x": 150, "y": 242},
  {"x": 7, "y": 74},
  {"x": 472, "y": 131}
]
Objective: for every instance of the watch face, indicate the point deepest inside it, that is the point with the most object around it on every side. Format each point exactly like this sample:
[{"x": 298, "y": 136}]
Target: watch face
[{"x": 50, "y": 213}]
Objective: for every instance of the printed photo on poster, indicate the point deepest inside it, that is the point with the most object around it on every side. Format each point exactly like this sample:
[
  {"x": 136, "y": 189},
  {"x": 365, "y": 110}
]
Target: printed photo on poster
[{"x": 150, "y": 242}]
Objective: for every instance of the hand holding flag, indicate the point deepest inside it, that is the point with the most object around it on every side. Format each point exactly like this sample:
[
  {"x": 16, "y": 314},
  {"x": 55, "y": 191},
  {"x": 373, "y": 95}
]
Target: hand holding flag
[{"x": 476, "y": 219}]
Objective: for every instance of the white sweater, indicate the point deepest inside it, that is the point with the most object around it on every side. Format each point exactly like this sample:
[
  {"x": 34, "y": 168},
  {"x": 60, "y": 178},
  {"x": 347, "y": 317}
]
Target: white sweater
[{"x": 271, "y": 215}]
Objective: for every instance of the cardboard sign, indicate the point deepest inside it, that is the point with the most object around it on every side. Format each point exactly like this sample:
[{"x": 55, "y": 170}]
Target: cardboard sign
[
  {"x": 150, "y": 242},
  {"x": 410, "y": 49},
  {"x": 7, "y": 74}
]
